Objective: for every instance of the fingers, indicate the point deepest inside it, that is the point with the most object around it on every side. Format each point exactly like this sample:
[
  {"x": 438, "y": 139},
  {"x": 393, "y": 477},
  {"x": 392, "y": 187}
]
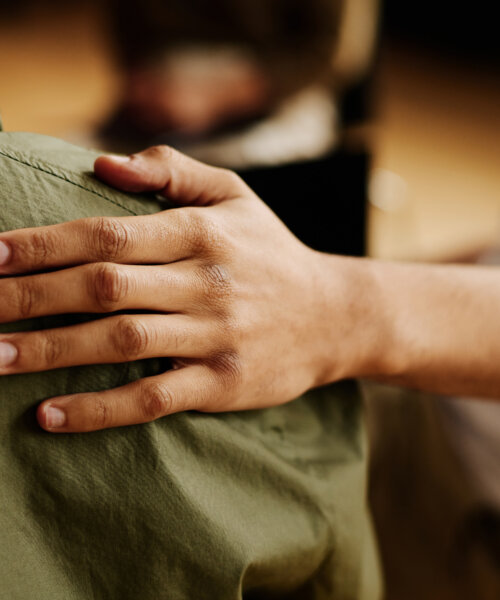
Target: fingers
[
  {"x": 162, "y": 238},
  {"x": 138, "y": 402},
  {"x": 116, "y": 339},
  {"x": 176, "y": 176},
  {"x": 102, "y": 287}
]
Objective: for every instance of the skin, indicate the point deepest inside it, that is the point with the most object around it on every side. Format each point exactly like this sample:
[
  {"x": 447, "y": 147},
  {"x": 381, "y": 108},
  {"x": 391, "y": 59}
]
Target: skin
[{"x": 250, "y": 316}]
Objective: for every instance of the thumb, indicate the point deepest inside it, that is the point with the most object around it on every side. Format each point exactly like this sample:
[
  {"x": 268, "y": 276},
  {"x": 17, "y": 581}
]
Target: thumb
[{"x": 170, "y": 173}]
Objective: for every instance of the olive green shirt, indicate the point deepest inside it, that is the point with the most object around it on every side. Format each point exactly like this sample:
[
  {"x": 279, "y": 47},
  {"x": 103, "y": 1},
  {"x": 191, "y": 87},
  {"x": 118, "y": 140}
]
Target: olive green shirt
[{"x": 256, "y": 504}]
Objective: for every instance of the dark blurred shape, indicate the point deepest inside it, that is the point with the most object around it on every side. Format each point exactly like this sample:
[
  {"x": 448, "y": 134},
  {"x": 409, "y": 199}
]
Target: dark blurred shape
[
  {"x": 19, "y": 6},
  {"x": 322, "y": 201},
  {"x": 293, "y": 39},
  {"x": 467, "y": 31},
  {"x": 321, "y": 196}
]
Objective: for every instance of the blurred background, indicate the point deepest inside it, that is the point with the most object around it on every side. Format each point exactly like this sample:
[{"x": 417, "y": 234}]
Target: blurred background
[
  {"x": 371, "y": 128},
  {"x": 436, "y": 98}
]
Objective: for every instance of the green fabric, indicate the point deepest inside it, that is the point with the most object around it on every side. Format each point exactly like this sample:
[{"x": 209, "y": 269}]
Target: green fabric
[{"x": 257, "y": 504}]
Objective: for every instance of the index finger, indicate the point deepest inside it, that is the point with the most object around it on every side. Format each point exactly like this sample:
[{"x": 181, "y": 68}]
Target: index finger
[
  {"x": 144, "y": 239},
  {"x": 151, "y": 239}
]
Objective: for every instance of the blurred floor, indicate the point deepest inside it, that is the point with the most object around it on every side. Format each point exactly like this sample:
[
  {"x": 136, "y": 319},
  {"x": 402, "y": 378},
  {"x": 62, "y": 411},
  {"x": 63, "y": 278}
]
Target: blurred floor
[{"x": 437, "y": 178}]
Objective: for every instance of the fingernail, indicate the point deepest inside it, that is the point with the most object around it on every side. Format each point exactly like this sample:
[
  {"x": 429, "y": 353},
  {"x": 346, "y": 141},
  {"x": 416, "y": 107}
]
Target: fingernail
[
  {"x": 8, "y": 354},
  {"x": 5, "y": 253},
  {"x": 118, "y": 158},
  {"x": 54, "y": 417}
]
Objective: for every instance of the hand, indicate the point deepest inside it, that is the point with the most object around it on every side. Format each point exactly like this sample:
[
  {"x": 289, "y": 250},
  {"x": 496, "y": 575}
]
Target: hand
[{"x": 238, "y": 301}]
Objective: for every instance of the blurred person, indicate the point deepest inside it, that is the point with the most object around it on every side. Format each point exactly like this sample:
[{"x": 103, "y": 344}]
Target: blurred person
[
  {"x": 257, "y": 87},
  {"x": 193, "y": 67}
]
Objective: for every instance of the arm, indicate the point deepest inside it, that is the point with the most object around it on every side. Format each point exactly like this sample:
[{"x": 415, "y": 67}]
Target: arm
[
  {"x": 434, "y": 328},
  {"x": 249, "y": 315}
]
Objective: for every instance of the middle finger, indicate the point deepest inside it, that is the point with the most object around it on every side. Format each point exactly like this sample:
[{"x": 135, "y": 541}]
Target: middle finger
[{"x": 100, "y": 288}]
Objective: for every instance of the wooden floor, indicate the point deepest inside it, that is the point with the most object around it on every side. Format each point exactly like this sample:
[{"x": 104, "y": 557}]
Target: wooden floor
[{"x": 436, "y": 182}]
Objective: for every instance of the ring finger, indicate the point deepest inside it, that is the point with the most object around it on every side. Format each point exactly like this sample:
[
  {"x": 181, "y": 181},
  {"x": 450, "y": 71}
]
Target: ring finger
[{"x": 115, "y": 339}]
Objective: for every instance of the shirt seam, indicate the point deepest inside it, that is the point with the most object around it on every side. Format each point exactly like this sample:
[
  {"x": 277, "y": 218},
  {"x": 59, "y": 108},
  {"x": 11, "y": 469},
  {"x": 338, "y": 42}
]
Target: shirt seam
[{"x": 67, "y": 180}]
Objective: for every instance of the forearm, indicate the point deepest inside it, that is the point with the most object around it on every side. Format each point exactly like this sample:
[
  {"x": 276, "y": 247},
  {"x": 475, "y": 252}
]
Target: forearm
[{"x": 435, "y": 328}]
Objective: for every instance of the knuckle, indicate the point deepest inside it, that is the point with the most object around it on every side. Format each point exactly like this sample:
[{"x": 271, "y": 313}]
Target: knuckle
[
  {"x": 183, "y": 221},
  {"x": 111, "y": 238},
  {"x": 161, "y": 151},
  {"x": 202, "y": 232},
  {"x": 29, "y": 295},
  {"x": 51, "y": 349},
  {"x": 177, "y": 340},
  {"x": 157, "y": 400},
  {"x": 109, "y": 286},
  {"x": 227, "y": 365},
  {"x": 99, "y": 413},
  {"x": 130, "y": 338},
  {"x": 210, "y": 235},
  {"x": 233, "y": 179},
  {"x": 216, "y": 281},
  {"x": 38, "y": 250}
]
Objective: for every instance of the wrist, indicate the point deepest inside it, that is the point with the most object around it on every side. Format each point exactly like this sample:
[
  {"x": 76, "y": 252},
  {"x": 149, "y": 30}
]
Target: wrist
[{"x": 356, "y": 313}]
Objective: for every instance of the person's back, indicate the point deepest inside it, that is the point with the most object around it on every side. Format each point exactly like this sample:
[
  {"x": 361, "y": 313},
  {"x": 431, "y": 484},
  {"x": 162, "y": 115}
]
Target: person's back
[{"x": 267, "y": 503}]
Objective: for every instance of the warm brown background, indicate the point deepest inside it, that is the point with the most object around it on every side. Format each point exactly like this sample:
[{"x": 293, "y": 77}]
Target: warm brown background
[
  {"x": 436, "y": 135},
  {"x": 435, "y": 196}
]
